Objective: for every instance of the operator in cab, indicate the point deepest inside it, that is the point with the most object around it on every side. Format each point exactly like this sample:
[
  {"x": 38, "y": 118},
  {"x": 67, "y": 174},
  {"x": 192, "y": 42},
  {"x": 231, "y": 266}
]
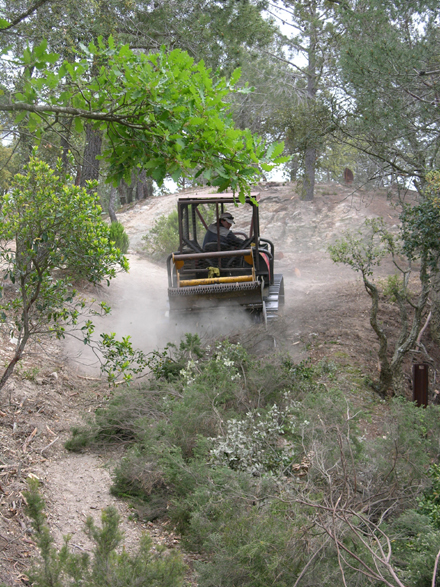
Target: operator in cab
[{"x": 228, "y": 240}]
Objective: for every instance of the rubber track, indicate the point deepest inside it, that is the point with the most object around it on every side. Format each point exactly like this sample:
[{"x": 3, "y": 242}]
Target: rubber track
[{"x": 275, "y": 298}]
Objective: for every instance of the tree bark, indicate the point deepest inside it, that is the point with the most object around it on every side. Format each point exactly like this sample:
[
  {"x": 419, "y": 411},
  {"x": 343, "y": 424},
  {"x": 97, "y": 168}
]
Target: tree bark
[
  {"x": 111, "y": 205},
  {"x": 308, "y": 188},
  {"x": 293, "y": 168},
  {"x": 391, "y": 379},
  {"x": 386, "y": 374},
  {"x": 144, "y": 186},
  {"x": 90, "y": 167},
  {"x": 122, "y": 193},
  {"x": 67, "y": 123},
  {"x": 149, "y": 189}
]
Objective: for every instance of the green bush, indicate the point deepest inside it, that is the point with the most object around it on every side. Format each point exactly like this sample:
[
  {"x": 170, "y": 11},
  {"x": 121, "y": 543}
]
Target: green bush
[
  {"x": 63, "y": 568},
  {"x": 429, "y": 503},
  {"x": 416, "y": 542},
  {"x": 163, "y": 238},
  {"x": 118, "y": 236},
  {"x": 257, "y": 549},
  {"x": 408, "y": 445}
]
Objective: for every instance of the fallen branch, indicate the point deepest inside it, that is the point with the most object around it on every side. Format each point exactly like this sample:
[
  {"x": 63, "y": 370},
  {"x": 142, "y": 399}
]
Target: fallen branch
[
  {"x": 49, "y": 445},
  {"x": 89, "y": 378},
  {"x": 29, "y": 439}
]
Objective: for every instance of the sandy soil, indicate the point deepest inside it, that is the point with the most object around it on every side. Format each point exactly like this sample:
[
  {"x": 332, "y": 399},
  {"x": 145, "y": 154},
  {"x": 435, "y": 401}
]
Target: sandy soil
[{"x": 326, "y": 314}]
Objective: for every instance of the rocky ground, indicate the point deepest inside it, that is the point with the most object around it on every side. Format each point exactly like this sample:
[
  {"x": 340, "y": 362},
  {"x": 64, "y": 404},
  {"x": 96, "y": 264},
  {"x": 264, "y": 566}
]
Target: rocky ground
[{"x": 326, "y": 315}]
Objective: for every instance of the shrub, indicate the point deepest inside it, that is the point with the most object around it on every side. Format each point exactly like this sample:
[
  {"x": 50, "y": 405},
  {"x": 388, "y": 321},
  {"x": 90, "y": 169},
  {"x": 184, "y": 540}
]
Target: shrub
[
  {"x": 51, "y": 233},
  {"x": 63, "y": 568},
  {"x": 163, "y": 238},
  {"x": 255, "y": 549},
  {"x": 249, "y": 459},
  {"x": 119, "y": 237},
  {"x": 256, "y": 443},
  {"x": 429, "y": 504},
  {"x": 416, "y": 543}
]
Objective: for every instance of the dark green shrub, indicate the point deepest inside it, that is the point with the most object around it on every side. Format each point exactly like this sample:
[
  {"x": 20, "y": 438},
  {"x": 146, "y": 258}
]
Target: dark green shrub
[
  {"x": 82, "y": 437},
  {"x": 119, "y": 236},
  {"x": 142, "y": 479},
  {"x": 125, "y": 419},
  {"x": 408, "y": 445},
  {"x": 416, "y": 543},
  {"x": 254, "y": 549},
  {"x": 429, "y": 504}
]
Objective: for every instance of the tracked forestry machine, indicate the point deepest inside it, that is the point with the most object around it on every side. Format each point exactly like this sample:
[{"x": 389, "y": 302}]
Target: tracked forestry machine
[{"x": 216, "y": 266}]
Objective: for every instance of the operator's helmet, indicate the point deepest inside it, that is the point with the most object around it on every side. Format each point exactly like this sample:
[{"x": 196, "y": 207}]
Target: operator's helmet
[{"x": 228, "y": 217}]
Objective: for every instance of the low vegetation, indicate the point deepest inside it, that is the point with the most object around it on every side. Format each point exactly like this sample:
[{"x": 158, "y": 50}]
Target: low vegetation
[
  {"x": 63, "y": 567},
  {"x": 163, "y": 238},
  {"x": 268, "y": 470},
  {"x": 119, "y": 237}
]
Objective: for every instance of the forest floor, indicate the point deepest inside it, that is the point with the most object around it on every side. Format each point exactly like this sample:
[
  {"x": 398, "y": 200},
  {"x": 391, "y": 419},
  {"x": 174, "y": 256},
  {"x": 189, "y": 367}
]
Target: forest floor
[{"x": 326, "y": 316}]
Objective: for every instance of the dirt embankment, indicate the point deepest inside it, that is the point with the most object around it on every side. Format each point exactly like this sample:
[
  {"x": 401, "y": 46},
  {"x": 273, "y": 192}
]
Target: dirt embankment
[{"x": 326, "y": 314}]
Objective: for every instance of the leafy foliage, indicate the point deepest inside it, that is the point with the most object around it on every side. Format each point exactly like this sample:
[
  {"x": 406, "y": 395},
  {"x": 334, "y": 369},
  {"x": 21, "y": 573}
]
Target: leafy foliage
[
  {"x": 362, "y": 250},
  {"x": 256, "y": 443},
  {"x": 388, "y": 66},
  {"x": 420, "y": 225},
  {"x": 51, "y": 232},
  {"x": 121, "y": 359},
  {"x": 161, "y": 112},
  {"x": 429, "y": 504}
]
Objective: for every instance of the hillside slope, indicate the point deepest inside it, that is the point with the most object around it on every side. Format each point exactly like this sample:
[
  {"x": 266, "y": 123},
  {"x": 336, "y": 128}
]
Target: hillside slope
[{"x": 326, "y": 315}]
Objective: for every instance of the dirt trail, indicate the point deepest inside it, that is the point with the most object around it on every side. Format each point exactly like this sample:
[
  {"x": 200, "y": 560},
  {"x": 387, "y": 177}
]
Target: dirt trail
[
  {"x": 324, "y": 302},
  {"x": 77, "y": 486}
]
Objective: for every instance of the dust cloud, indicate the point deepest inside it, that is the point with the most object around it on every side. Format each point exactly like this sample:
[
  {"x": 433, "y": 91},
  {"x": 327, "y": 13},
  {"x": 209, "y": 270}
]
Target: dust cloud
[{"x": 139, "y": 303}]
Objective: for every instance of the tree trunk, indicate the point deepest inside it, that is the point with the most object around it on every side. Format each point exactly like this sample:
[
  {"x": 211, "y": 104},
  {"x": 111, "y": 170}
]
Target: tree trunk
[
  {"x": 386, "y": 373},
  {"x": 130, "y": 190},
  {"x": 111, "y": 205},
  {"x": 293, "y": 168},
  {"x": 144, "y": 186},
  {"x": 391, "y": 378},
  {"x": 149, "y": 187},
  {"x": 90, "y": 167},
  {"x": 16, "y": 359},
  {"x": 308, "y": 188},
  {"x": 122, "y": 193},
  {"x": 67, "y": 124}
]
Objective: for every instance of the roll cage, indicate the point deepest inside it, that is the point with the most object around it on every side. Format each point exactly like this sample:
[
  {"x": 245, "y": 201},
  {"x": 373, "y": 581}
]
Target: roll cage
[{"x": 254, "y": 260}]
